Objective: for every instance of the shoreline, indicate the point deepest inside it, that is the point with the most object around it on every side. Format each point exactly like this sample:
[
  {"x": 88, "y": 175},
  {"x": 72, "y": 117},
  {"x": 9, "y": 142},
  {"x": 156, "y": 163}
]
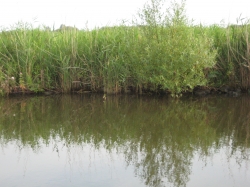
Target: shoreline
[{"x": 198, "y": 91}]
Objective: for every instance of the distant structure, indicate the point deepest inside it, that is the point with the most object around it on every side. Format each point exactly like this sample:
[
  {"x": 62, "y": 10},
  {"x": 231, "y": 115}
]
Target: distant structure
[
  {"x": 64, "y": 27},
  {"x": 238, "y": 26},
  {"x": 46, "y": 28}
]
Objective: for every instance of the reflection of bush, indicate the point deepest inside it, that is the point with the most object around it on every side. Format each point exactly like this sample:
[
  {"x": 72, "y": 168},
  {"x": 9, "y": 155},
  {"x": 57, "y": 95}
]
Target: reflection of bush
[{"x": 158, "y": 136}]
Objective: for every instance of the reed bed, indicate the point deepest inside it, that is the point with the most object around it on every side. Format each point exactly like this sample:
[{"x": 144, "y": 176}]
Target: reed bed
[
  {"x": 159, "y": 53},
  {"x": 232, "y": 62},
  {"x": 152, "y": 55}
]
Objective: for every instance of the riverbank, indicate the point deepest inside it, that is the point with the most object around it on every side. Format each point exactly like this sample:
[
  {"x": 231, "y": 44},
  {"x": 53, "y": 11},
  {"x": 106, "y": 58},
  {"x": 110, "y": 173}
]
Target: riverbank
[{"x": 167, "y": 56}]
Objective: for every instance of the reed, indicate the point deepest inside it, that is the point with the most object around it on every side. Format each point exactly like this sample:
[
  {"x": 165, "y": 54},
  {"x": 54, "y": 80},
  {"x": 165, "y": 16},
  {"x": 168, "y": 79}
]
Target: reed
[
  {"x": 239, "y": 52},
  {"x": 161, "y": 52},
  {"x": 232, "y": 61}
]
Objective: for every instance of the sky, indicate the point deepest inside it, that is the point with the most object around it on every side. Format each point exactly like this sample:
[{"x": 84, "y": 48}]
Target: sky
[{"x": 97, "y": 13}]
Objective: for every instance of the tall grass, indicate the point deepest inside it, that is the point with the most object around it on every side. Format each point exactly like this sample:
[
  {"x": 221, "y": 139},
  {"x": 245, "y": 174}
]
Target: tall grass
[
  {"x": 161, "y": 52},
  {"x": 232, "y": 63},
  {"x": 239, "y": 53}
]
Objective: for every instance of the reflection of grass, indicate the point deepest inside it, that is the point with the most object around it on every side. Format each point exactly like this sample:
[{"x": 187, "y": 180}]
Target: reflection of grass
[{"x": 166, "y": 132}]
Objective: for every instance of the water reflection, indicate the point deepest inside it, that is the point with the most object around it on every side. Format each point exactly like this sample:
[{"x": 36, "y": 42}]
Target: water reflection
[{"x": 158, "y": 137}]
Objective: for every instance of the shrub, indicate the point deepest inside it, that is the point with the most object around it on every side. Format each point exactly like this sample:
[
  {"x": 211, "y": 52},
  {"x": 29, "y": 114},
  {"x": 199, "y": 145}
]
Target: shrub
[{"x": 175, "y": 55}]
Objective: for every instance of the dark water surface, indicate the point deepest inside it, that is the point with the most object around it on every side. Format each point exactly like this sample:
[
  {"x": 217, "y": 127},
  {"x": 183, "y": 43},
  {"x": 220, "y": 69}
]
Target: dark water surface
[{"x": 80, "y": 140}]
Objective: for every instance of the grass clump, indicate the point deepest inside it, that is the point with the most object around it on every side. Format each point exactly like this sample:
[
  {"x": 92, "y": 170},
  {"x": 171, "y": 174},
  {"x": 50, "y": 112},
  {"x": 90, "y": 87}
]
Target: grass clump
[
  {"x": 232, "y": 61},
  {"x": 238, "y": 56}
]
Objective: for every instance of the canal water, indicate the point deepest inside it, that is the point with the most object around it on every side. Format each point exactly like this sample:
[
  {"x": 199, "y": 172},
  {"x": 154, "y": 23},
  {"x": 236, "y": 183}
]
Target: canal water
[{"x": 124, "y": 141}]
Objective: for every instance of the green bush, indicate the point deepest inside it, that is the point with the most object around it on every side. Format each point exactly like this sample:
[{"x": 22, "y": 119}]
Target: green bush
[{"x": 176, "y": 55}]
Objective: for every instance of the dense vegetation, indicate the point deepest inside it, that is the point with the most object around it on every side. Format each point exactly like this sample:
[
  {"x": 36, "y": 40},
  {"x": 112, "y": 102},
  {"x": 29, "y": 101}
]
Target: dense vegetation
[{"x": 162, "y": 52}]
